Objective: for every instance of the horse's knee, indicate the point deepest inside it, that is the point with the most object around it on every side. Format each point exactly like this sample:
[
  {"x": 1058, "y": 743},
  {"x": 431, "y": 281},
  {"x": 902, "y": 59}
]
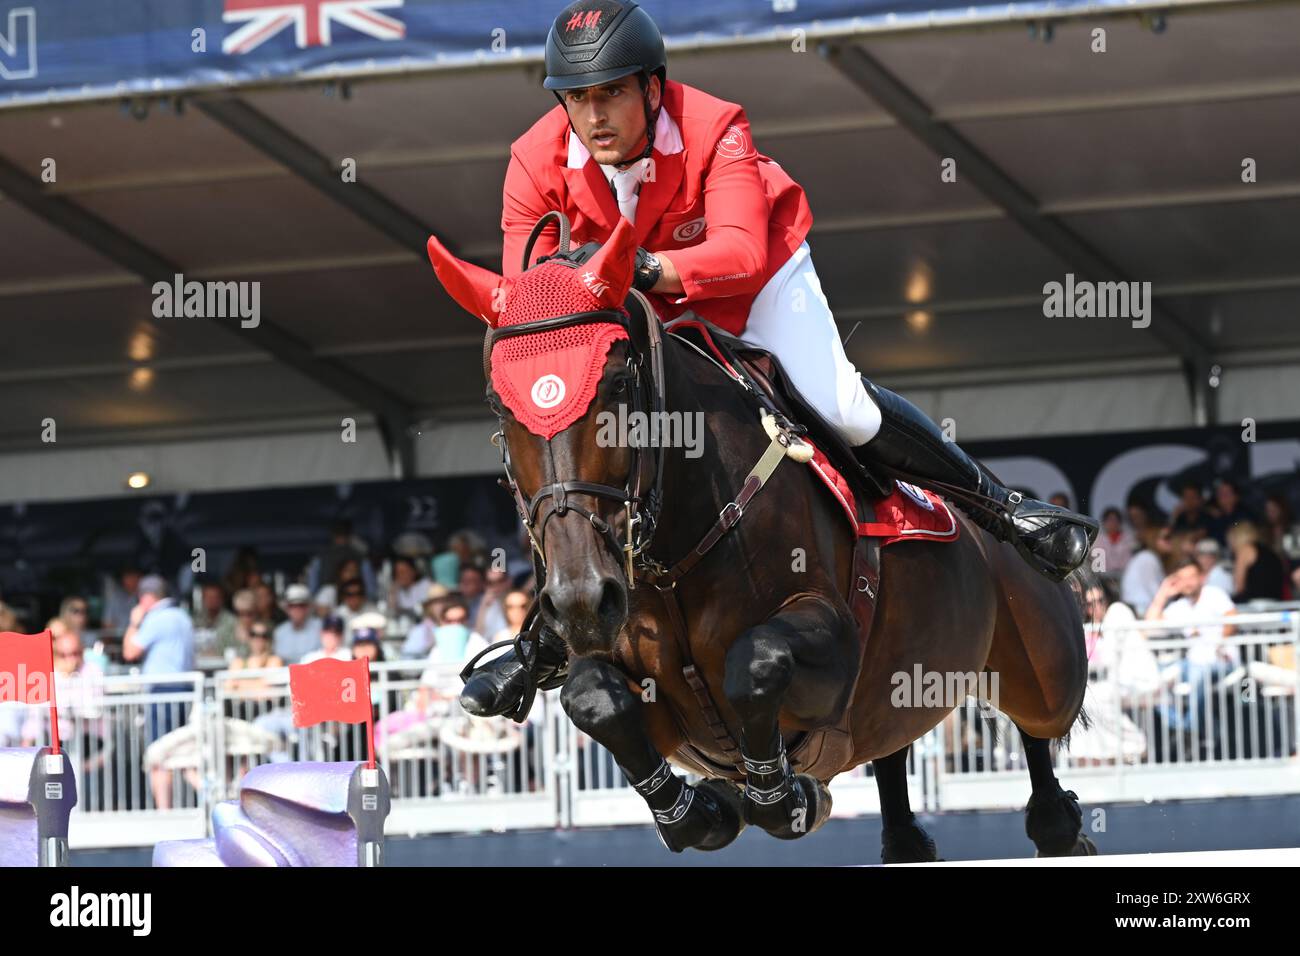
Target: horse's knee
[
  {"x": 597, "y": 699},
  {"x": 759, "y": 671}
]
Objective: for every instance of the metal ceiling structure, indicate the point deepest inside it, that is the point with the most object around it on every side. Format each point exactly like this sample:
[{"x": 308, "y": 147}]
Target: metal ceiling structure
[{"x": 1117, "y": 165}]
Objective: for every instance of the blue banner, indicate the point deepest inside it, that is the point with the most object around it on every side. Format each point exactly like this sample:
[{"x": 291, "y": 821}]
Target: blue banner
[{"x": 53, "y": 50}]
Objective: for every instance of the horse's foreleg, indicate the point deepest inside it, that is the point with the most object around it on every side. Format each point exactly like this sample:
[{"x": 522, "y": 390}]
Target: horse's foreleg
[
  {"x": 902, "y": 839},
  {"x": 1053, "y": 818},
  {"x": 600, "y": 702},
  {"x": 801, "y": 660}
]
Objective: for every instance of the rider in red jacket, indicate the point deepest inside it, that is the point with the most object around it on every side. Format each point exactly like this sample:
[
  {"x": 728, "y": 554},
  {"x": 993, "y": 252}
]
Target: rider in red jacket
[{"x": 722, "y": 230}]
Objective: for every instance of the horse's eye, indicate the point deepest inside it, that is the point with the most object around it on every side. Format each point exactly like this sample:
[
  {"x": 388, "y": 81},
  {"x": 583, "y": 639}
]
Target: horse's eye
[{"x": 620, "y": 385}]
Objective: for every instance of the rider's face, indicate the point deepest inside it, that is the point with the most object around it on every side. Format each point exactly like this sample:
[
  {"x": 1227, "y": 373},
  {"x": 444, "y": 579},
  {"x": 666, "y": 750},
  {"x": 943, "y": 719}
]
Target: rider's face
[{"x": 610, "y": 119}]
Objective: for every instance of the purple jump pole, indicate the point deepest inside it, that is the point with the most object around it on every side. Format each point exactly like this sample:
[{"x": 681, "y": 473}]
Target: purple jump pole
[{"x": 294, "y": 814}]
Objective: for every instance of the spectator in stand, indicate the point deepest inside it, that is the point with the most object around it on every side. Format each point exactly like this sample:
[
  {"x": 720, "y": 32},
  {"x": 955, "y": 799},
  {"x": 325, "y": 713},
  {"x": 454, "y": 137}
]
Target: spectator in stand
[
  {"x": 1184, "y": 597},
  {"x": 73, "y": 614},
  {"x": 409, "y": 587},
  {"x": 367, "y": 642},
  {"x": 1126, "y": 676},
  {"x": 119, "y": 598},
  {"x": 1280, "y": 530},
  {"x": 343, "y": 547},
  {"x": 1146, "y": 569},
  {"x": 516, "y": 605},
  {"x": 1258, "y": 573},
  {"x": 245, "y": 604},
  {"x": 260, "y": 656},
  {"x": 464, "y": 548},
  {"x": 1228, "y": 510},
  {"x": 420, "y": 639},
  {"x": 327, "y": 599},
  {"x": 454, "y": 644},
  {"x": 353, "y": 603},
  {"x": 331, "y": 643},
  {"x": 216, "y": 629},
  {"x": 491, "y": 614},
  {"x": 1208, "y": 556},
  {"x": 1192, "y": 514},
  {"x": 245, "y": 570},
  {"x": 1182, "y": 546},
  {"x": 79, "y": 690},
  {"x": 161, "y": 636},
  {"x": 267, "y": 608},
  {"x": 1140, "y": 520},
  {"x": 1061, "y": 500},
  {"x": 1116, "y": 544},
  {"x": 300, "y": 633},
  {"x": 472, "y": 584}
]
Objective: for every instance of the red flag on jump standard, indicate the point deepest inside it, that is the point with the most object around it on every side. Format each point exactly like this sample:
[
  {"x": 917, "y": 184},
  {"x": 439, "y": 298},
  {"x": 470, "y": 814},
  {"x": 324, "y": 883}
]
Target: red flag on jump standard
[
  {"x": 330, "y": 690},
  {"x": 27, "y": 673},
  {"x": 26, "y": 668}
]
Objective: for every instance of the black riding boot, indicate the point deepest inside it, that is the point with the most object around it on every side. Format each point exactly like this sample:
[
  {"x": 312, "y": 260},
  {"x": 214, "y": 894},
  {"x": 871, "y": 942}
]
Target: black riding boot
[
  {"x": 508, "y": 684},
  {"x": 1053, "y": 540}
]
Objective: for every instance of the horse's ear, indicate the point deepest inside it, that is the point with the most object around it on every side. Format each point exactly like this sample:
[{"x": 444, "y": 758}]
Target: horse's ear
[
  {"x": 479, "y": 291},
  {"x": 614, "y": 266}
]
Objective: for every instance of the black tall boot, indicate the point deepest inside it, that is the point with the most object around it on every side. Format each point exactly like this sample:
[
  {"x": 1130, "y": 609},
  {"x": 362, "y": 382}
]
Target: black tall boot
[
  {"x": 1053, "y": 540},
  {"x": 539, "y": 660}
]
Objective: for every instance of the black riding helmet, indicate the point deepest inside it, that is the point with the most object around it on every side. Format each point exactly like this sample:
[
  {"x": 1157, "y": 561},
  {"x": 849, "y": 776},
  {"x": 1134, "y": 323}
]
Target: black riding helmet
[{"x": 595, "y": 41}]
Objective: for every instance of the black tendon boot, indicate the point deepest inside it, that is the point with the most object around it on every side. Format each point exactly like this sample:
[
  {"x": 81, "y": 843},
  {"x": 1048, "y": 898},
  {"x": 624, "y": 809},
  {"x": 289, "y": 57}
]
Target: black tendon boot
[
  {"x": 539, "y": 660},
  {"x": 1053, "y": 540}
]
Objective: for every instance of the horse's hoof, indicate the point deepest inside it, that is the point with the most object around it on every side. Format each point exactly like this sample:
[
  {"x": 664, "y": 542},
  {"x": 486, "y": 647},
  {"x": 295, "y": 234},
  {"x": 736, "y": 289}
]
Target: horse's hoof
[
  {"x": 1054, "y": 821},
  {"x": 714, "y": 819},
  {"x": 804, "y": 810},
  {"x": 819, "y": 800},
  {"x": 907, "y": 844},
  {"x": 731, "y": 813}
]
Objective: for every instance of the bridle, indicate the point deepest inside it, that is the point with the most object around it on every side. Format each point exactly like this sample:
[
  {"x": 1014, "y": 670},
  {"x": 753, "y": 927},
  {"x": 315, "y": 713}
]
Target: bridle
[{"x": 641, "y": 495}]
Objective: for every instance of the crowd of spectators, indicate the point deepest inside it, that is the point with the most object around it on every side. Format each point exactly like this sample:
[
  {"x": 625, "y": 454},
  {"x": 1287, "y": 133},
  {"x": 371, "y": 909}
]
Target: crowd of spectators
[
  {"x": 442, "y": 607},
  {"x": 1204, "y": 562},
  {"x": 409, "y": 602},
  {"x": 1250, "y": 557}
]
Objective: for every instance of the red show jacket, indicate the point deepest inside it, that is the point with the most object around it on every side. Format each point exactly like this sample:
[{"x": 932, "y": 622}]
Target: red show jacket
[{"x": 728, "y": 216}]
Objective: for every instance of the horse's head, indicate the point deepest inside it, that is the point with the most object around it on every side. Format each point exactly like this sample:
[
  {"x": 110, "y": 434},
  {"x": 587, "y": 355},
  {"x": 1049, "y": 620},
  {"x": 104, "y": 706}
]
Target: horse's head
[{"x": 560, "y": 358}]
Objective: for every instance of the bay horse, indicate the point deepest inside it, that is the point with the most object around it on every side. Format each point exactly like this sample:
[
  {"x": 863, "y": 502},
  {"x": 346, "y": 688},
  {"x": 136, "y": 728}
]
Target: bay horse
[{"x": 705, "y": 599}]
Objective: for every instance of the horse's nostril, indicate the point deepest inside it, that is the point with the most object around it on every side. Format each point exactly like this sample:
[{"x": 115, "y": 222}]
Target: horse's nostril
[
  {"x": 548, "y": 607},
  {"x": 613, "y": 602}
]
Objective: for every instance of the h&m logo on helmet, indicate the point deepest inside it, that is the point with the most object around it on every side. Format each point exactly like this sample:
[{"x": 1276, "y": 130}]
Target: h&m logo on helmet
[
  {"x": 689, "y": 230},
  {"x": 916, "y": 494},
  {"x": 734, "y": 143},
  {"x": 548, "y": 391},
  {"x": 583, "y": 20}
]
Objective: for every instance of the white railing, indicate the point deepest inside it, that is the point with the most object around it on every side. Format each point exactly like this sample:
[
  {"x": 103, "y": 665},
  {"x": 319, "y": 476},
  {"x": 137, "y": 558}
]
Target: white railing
[
  {"x": 1162, "y": 728},
  {"x": 151, "y": 764}
]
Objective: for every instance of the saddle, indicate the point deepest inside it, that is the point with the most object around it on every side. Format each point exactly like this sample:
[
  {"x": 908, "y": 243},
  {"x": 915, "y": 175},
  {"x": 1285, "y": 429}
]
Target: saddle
[
  {"x": 763, "y": 373},
  {"x": 827, "y": 750}
]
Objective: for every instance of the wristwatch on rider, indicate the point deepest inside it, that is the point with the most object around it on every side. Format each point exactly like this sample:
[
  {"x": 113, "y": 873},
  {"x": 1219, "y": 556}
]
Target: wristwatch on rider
[{"x": 648, "y": 271}]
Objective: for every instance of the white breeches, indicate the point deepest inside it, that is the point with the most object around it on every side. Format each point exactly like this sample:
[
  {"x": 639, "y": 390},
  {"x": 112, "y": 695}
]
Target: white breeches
[{"x": 792, "y": 320}]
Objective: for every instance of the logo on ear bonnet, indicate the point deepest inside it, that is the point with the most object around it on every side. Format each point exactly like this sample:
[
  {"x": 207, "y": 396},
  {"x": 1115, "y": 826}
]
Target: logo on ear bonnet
[{"x": 548, "y": 391}]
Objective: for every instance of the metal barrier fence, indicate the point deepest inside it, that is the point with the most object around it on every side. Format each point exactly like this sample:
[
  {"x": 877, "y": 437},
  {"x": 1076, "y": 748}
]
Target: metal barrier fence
[{"x": 1173, "y": 715}]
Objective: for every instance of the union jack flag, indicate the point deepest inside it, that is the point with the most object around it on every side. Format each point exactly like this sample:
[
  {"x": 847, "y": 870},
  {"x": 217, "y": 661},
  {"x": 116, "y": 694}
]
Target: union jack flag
[{"x": 311, "y": 21}]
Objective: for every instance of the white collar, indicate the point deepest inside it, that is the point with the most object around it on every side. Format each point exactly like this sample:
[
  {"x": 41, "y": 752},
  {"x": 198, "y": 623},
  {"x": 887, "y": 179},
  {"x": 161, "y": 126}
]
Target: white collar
[{"x": 668, "y": 140}]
